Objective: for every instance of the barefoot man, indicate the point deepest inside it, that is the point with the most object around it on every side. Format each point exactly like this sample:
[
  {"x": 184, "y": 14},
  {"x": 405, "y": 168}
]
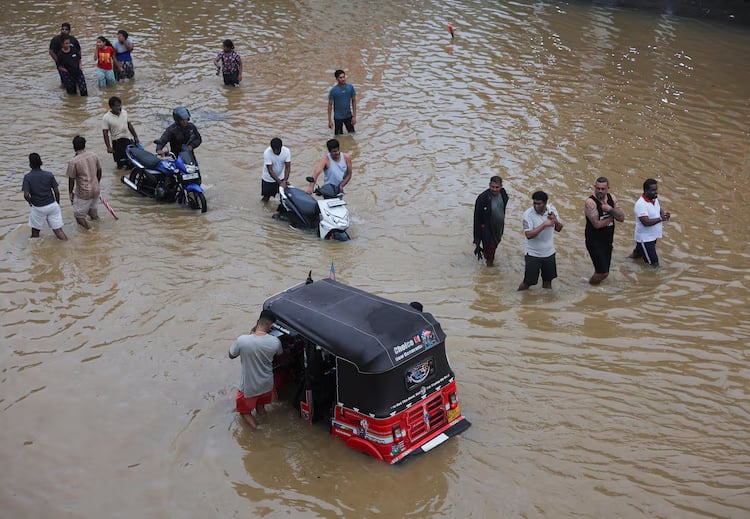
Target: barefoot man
[
  {"x": 256, "y": 352},
  {"x": 601, "y": 210}
]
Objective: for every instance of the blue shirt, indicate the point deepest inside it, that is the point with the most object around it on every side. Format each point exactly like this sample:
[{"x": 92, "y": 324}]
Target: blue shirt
[{"x": 342, "y": 100}]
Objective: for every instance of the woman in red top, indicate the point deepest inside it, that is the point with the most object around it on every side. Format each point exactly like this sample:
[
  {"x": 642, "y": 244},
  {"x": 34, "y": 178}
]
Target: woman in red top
[{"x": 105, "y": 62}]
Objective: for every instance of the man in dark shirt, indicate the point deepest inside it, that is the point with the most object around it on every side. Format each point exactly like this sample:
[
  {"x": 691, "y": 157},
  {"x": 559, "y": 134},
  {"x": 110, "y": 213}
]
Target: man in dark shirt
[
  {"x": 56, "y": 43},
  {"x": 41, "y": 192},
  {"x": 489, "y": 220},
  {"x": 181, "y": 133},
  {"x": 601, "y": 210}
]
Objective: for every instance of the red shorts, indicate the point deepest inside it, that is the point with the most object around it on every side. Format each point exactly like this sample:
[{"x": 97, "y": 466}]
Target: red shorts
[{"x": 246, "y": 405}]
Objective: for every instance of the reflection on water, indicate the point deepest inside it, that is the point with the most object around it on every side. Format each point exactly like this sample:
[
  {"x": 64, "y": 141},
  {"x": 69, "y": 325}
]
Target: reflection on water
[{"x": 628, "y": 399}]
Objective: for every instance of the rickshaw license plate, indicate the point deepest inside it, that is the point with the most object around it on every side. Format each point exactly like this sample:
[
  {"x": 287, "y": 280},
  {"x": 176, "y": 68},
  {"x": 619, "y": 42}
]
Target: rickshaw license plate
[{"x": 452, "y": 414}]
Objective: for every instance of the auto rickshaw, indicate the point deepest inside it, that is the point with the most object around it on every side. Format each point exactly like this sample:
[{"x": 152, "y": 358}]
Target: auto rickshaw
[{"x": 373, "y": 370}]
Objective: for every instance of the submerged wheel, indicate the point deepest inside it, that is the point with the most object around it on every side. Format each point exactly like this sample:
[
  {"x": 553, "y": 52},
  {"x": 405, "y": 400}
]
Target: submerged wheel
[
  {"x": 197, "y": 200},
  {"x": 134, "y": 176}
]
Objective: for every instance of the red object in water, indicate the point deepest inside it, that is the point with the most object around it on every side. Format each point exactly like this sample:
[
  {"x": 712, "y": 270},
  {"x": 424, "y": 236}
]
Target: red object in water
[
  {"x": 109, "y": 207},
  {"x": 450, "y": 29}
]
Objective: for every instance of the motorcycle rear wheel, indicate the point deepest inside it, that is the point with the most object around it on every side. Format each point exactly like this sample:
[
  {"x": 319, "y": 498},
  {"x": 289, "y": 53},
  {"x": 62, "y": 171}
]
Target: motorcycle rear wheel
[{"x": 196, "y": 200}]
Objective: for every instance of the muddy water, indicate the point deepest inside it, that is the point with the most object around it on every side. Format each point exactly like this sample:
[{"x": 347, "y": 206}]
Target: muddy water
[{"x": 625, "y": 400}]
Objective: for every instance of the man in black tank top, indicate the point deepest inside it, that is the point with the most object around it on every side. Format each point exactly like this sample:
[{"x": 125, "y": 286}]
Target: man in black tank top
[{"x": 601, "y": 210}]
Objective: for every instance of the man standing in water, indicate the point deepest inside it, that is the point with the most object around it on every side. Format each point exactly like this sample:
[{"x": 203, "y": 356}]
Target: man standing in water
[
  {"x": 41, "y": 192},
  {"x": 336, "y": 165},
  {"x": 84, "y": 174},
  {"x": 256, "y": 352},
  {"x": 277, "y": 166},
  {"x": 601, "y": 210},
  {"x": 115, "y": 126},
  {"x": 648, "y": 223},
  {"x": 342, "y": 104},
  {"x": 489, "y": 220},
  {"x": 538, "y": 222}
]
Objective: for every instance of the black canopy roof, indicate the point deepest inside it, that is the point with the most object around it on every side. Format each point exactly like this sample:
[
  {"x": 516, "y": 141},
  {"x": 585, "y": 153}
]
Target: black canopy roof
[{"x": 374, "y": 333}]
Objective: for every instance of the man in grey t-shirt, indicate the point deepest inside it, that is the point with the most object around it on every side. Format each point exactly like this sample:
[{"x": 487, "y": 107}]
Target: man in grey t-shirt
[
  {"x": 256, "y": 351},
  {"x": 538, "y": 222}
]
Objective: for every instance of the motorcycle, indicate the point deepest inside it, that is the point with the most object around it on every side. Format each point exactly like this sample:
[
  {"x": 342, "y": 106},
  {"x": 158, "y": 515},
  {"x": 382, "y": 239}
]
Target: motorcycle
[
  {"x": 329, "y": 216},
  {"x": 169, "y": 179}
]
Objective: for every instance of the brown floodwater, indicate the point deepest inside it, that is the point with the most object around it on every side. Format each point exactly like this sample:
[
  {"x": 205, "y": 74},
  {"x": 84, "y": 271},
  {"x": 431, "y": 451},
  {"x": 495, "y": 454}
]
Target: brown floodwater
[{"x": 629, "y": 399}]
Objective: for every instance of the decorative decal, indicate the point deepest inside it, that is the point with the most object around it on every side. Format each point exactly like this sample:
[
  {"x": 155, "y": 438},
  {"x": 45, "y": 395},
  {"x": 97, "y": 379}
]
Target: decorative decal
[
  {"x": 423, "y": 341},
  {"x": 420, "y": 372}
]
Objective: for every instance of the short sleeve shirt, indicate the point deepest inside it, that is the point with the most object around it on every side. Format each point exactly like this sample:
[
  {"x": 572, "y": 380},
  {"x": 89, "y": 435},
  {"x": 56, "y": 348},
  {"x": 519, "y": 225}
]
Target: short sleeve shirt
[
  {"x": 342, "y": 98},
  {"x": 40, "y": 184},
  {"x": 256, "y": 353},
  {"x": 542, "y": 245},
  {"x": 116, "y": 125},
  {"x": 83, "y": 168},
  {"x": 123, "y": 54},
  {"x": 105, "y": 58},
  {"x": 230, "y": 62},
  {"x": 642, "y": 232},
  {"x": 277, "y": 162}
]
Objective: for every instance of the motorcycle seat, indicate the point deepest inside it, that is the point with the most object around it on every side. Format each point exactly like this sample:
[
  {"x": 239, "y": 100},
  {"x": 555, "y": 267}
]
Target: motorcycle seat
[{"x": 148, "y": 159}]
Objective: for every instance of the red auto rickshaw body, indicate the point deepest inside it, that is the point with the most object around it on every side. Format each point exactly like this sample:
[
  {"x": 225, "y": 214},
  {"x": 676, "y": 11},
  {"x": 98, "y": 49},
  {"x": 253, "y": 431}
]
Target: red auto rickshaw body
[{"x": 373, "y": 370}]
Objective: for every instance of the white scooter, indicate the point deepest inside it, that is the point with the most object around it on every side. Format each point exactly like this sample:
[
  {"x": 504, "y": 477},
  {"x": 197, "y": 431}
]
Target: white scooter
[{"x": 329, "y": 216}]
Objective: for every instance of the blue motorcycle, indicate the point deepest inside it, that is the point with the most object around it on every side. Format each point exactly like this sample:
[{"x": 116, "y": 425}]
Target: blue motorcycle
[{"x": 169, "y": 179}]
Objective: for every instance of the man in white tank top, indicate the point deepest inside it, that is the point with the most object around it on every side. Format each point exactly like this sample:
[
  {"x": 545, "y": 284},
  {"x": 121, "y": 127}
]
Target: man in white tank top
[{"x": 335, "y": 166}]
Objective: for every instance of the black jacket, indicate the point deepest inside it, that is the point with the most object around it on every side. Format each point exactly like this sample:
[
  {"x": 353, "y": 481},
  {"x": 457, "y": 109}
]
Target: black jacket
[
  {"x": 483, "y": 213},
  {"x": 176, "y": 135}
]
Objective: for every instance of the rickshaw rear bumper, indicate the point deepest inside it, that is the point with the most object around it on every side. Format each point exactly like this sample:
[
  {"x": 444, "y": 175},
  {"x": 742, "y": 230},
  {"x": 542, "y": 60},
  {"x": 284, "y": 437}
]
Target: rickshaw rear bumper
[{"x": 453, "y": 429}]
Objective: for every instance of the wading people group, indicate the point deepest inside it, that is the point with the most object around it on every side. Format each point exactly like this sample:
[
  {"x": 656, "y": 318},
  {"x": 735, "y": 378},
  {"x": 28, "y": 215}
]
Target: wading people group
[
  {"x": 542, "y": 220},
  {"x": 257, "y": 349},
  {"x": 114, "y": 63}
]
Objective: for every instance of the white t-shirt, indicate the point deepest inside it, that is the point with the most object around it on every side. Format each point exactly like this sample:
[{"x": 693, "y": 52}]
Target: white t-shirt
[
  {"x": 642, "y": 232},
  {"x": 277, "y": 162},
  {"x": 542, "y": 245},
  {"x": 116, "y": 125}
]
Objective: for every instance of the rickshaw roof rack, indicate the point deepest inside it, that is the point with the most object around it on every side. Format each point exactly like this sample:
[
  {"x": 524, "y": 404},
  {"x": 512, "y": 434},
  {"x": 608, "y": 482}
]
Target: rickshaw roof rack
[{"x": 373, "y": 333}]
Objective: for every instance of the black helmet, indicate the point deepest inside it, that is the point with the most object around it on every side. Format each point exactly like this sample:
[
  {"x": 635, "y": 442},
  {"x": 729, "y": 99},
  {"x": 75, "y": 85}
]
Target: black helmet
[{"x": 181, "y": 114}]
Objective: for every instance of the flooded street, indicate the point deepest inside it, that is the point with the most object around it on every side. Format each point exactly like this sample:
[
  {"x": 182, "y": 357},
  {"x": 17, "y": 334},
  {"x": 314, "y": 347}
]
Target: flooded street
[{"x": 629, "y": 399}]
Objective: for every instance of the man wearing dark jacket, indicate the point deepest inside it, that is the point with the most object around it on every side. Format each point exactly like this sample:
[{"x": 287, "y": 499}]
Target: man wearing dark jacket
[
  {"x": 181, "y": 133},
  {"x": 489, "y": 220}
]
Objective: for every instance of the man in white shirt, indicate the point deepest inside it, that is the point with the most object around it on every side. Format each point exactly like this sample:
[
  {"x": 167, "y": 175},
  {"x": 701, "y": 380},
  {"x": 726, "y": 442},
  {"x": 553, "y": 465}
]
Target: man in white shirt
[
  {"x": 277, "y": 166},
  {"x": 648, "y": 223},
  {"x": 538, "y": 223},
  {"x": 115, "y": 128}
]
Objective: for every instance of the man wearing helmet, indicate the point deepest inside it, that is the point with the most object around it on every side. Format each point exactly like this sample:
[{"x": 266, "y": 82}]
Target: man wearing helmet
[{"x": 180, "y": 135}]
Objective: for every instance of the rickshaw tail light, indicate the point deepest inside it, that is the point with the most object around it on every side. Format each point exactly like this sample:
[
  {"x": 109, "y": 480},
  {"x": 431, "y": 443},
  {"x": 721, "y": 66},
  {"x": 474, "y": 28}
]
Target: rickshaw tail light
[
  {"x": 397, "y": 433},
  {"x": 453, "y": 399}
]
